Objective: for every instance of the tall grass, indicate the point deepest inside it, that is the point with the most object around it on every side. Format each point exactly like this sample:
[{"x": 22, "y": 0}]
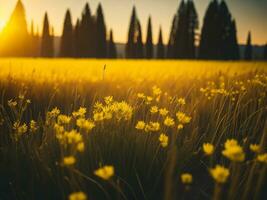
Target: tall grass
[{"x": 223, "y": 100}]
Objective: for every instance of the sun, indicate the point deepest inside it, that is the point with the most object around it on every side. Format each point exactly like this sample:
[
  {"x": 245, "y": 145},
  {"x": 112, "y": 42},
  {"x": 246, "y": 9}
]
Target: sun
[{"x": 2, "y": 24}]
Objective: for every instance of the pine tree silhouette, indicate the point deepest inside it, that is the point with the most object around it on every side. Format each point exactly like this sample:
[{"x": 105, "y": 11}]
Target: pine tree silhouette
[
  {"x": 170, "y": 51},
  {"x": 192, "y": 25},
  {"x": 234, "y": 53},
  {"x": 112, "y": 52},
  {"x": 15, "y": 38},
  {"x": 101, "y": 42},
  {"x": 265, "y": 52},
  {"x": 149, "y": 41},
  {"x": 47, "y": 49},
  {"x": 139, "y": 43},
  {"x": 248, "y": 49},
  {"x": 131, "y": 44},
  {"x": 210, "y": 34},
  {"x": 66, "y": 48},
  {"x": 87, "y": 34},
  {"x": 181, "y": 31},
  {"x": 77, "y": 40},
  {"x": 160, "y": 46}
]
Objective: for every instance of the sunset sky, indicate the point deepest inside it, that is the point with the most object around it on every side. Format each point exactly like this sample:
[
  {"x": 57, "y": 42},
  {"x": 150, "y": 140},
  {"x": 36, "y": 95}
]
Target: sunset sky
[{"x": 249, "y": 14}]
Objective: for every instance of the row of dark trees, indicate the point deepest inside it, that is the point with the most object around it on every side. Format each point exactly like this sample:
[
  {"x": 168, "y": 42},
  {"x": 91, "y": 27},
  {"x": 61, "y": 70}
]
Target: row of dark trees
[{"x": 88, "y": 37}]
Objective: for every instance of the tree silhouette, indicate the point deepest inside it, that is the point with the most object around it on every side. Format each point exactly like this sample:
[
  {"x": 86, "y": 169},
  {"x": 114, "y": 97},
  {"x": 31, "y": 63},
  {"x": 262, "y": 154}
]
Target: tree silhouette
[
  {"x": 112, "y": 52},
  {"x": 184, "y": 36},
  {"x": 87, "y": 29},
  {"x": 139, "y": 43},
  {"x": 34, "y": 42},
  {"x": 192, "y": 25},
  {"x": 248, "y": 49},
  {"x": 15, "y": 38},
  {"x": 210, "y": 35},
  {"x": 131, "y": 44},
  {"x": 170, "y": 51},
  {"x": 77, "y": 39},
  {"x": 160, "y": 46},
  {"x": 218, "y": 37},
  {"x": 47, "y": 49},
  {"x": 149, "y": 40},
  {"x": 101, "y": 42},
  {"x": 66, "y": 48},
  {"x": 234, "y": 53},
  {"x": 265, "y": 52}
]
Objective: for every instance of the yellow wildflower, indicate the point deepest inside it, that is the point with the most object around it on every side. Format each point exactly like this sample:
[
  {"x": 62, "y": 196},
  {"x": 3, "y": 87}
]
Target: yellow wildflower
[
  {"x": 163, "y": 111},
  {"x": 233, "y": 151},
  {"x": 186, "y": 178},
  {"x": 254, "y": 147},
  {"x": 208, "y": 148},
  {"x": 154, "y": 109},
  {"x": 20, "y": 129},
  {"x": 180, "y": 126},
  {"x": 152, "y": 126},
  {"x": 80, "y": 113},
  {"x": 169, "y": 122},
  {"x": 183, "y": 118},
  {"x": 164, "y": 140},
  {"x": 108, "y": 100},
  {"x": 78, "y": 196},
  {"x": 80, "y": 147},
  {"x": 63, "y": 119},
  {"x": 140, "y": 125},
  {"x": 11, "y": 103},
  {"x": 220, "y": 174},
  {"x": 84, "y": 124},
  {"x": 105, "y": 172},
  {"x": 181, "y": 101},
  {"x": 98, "y": 117},
  {"x": 156, "y": 91},
  {"x": 141, "y": 95},
  {"x": 70, "y": 160},
  {"x": 262, "y": 158},
  {"x": 33, "y": 126}
]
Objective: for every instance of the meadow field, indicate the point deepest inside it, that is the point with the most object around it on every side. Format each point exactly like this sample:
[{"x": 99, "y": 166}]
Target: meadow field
[{"x": 117, "y": 129}]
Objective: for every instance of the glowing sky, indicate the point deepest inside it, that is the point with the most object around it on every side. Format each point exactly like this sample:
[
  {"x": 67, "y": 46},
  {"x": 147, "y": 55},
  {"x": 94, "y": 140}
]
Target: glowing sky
[{"x": 249, "y": 14}]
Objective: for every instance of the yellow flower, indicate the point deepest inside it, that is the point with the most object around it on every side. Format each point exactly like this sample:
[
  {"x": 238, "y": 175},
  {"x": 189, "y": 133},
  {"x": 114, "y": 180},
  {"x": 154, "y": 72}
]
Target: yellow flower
[
  {"x": 84, "y": 124},
  {"x": 262, "y": 158},
  {"x": 108, "y": 100},
  {"x": 181, "y": 101},
  {"x": 11, "y": 103},
  {"x": 80, "y": 147},
  {"x": 98, "y": 117},
  {"x": 78, "y": 196},
  {"x": 180, "y": 126},
  {"x": 141, "y": 95},
  {"x": 220, "y": 174},
  {"x": 230, "y": 142},
  {"x": 164, "y": 140},
  {"x": 63, "y": 119},
  {"x": 156, "y": 91},
  {"x": 255, "y": 148},
  {"x": 208, "y": 148},
  {"x": 148, "y": 100},
  {"x": 20, "y": 129},
  {"x": 154, "y": 109},
  {"x": 33, "y": 126},
  {"x": 70, "y": 160},
  {"x": 152, "y": 126},
  {"x": 169, "y": 122},
  {"x": 233, "y": 151},
  {"x": 140, "y": 125},
  {"x": 163, "y": 111},
  {"x": 183, "y": 118},
  {"x": 80, "y": 113},
  {"x": 105, "y": 172},
  {"x": 186, "y": 178}
]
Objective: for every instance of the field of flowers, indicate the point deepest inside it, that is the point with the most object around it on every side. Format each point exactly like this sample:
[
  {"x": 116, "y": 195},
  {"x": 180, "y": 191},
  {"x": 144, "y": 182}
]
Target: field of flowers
[{"x": 102, "y": 129}]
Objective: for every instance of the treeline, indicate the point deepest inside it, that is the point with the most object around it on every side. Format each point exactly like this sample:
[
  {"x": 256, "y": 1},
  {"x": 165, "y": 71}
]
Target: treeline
[{"x": 88, "y": 37}]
